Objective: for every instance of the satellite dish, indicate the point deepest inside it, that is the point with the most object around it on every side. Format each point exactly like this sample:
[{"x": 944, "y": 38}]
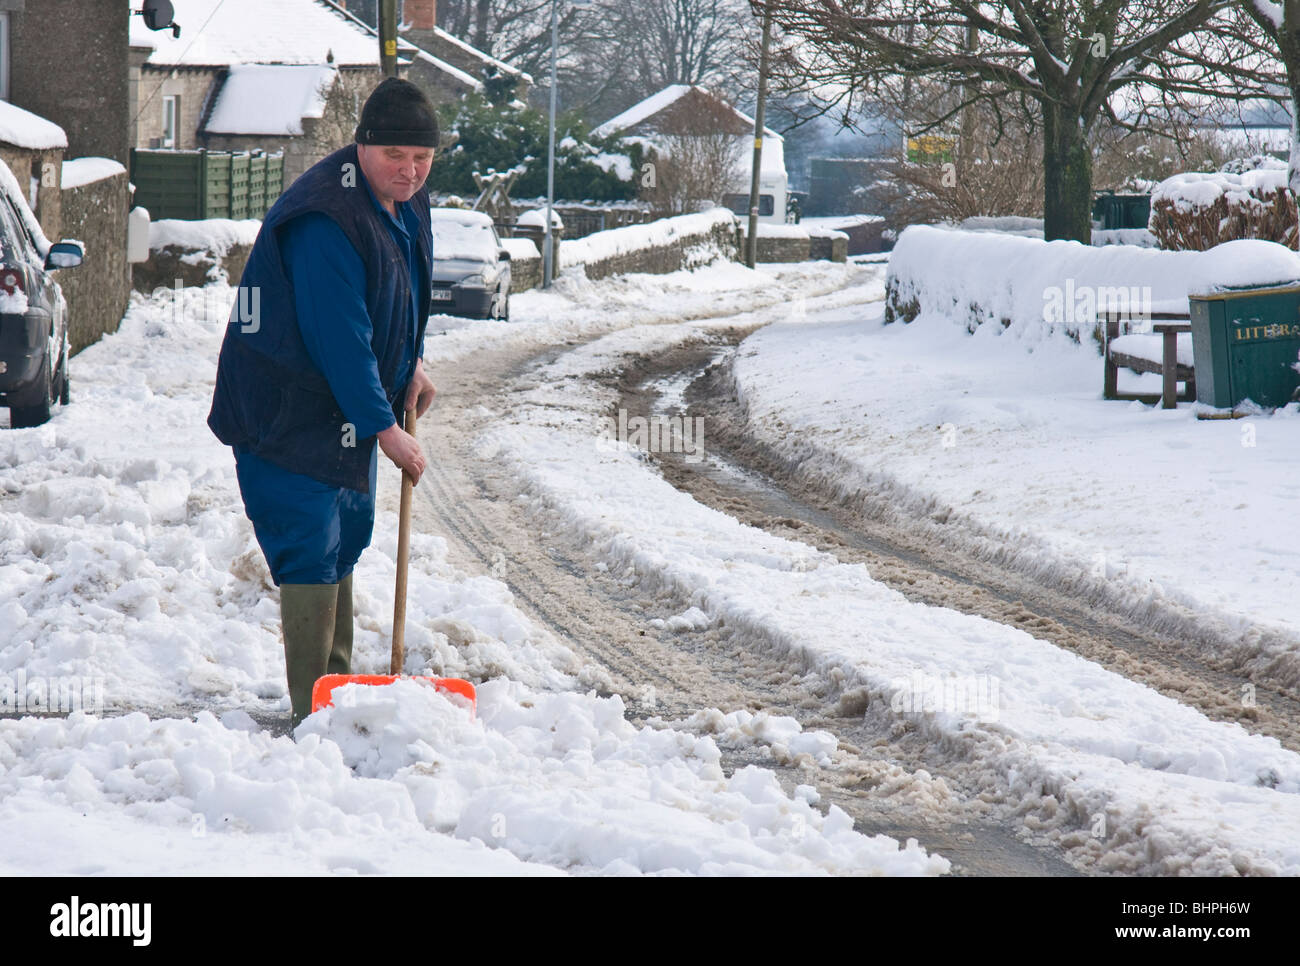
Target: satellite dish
[{"x": 158, "y": 15}]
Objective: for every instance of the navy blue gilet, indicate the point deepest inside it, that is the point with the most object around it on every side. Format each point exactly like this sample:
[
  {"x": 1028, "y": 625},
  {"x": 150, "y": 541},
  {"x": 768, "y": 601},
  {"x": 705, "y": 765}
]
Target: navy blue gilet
[{"x": 269, "y": 395}]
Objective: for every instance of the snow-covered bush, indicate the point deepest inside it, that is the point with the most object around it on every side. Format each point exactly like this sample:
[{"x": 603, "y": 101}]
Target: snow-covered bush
[{"x": 1198, "y": 210}]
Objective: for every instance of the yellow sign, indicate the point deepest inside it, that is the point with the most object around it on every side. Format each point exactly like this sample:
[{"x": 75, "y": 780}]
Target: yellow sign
[{"x": 1274, "y": 330}]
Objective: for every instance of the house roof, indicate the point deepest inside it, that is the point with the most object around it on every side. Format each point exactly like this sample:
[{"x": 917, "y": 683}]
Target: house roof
[
  {"x": 652, "y": 105},
  {"x": 219, "y": 33},
  {"x": 27, "y": 130},
  {"x": 270, "y": 98},
  {"x": 486, "y": 58}
]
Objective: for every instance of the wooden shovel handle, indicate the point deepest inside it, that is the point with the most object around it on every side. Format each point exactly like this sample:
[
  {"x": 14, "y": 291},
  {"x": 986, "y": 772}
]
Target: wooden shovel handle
[{"x": 403, "y": 558}]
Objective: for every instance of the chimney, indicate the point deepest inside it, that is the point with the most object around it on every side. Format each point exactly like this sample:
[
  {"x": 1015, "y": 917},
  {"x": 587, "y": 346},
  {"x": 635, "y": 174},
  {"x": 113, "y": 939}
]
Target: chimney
[{"x": 420, "y": 14}]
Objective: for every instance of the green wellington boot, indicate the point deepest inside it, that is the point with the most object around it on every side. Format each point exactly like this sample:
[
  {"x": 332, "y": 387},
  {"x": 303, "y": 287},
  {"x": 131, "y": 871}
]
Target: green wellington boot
[
  {"x": 307, "y": 619},
  {"x": 340, "y": 661}
]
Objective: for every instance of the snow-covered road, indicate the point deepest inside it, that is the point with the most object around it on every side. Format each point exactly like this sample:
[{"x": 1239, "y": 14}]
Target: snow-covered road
[{"x": 641, "y": 653}]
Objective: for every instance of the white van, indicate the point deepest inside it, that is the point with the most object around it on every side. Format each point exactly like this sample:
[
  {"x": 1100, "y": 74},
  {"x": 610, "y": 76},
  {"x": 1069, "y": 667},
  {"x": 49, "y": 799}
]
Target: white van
[{"x": 772, "y": 193}]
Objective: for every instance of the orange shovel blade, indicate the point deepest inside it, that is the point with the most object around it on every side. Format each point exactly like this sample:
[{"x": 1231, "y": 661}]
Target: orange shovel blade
[{"x": 322, "y": 694}]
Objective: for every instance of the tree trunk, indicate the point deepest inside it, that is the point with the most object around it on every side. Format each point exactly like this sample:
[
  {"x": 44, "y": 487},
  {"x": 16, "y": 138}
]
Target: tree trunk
[{"x": 1067, "y": 176}]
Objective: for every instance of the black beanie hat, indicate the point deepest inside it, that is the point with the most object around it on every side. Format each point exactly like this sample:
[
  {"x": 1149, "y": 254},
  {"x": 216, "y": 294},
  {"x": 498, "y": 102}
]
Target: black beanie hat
[{"x": 398, "y": 112}]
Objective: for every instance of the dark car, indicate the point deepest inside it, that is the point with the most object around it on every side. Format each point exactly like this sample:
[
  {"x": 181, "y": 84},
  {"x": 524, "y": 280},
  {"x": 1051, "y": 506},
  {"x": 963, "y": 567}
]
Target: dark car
[
  {"x": 33, "y": 314},
  {"x": 471, "y": 271}
]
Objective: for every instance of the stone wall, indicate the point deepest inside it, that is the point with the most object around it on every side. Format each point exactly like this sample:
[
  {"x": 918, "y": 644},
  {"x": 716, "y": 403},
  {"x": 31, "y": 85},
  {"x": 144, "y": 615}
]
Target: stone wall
[
  {"x": 668, "y": 245},
  {"x": 96, "y": 290},
  {"x": 45, "y": 166}
]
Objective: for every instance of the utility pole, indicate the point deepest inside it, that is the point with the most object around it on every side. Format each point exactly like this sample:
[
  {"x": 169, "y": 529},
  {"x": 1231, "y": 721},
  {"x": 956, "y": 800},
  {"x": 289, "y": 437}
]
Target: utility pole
[
  {"x": 388, "y": 37},
  {"x": 751, "y": 240},
  {"x": 548, "y": 240}
]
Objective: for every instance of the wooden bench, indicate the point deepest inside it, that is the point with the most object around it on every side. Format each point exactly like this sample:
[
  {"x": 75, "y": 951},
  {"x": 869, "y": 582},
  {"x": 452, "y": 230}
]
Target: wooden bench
[{"x": 1168, "y": 326}]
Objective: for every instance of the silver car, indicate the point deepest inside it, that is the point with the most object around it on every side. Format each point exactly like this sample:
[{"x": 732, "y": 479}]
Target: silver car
[{"x": 471, "y": 271}]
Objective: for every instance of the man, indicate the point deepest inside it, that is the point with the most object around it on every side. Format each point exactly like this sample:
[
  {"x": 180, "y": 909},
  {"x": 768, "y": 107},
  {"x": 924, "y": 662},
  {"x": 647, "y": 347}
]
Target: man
[{"x": 320, "y": 360}]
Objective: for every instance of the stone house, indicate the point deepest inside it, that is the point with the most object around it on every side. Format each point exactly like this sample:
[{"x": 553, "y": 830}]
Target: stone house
[{"x": 289, "y": 76}]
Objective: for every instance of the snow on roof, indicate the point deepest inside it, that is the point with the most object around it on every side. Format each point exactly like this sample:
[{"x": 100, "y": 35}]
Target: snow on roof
[
  {"x": 270, "y": 98},
  {"x": 82, "y": 171},
  {"x": 447, "y": 68},
  {"x": 655, "y": 103},
  {"x": 27, "y": 130},
  {"x": 485, "y": 57},
  {"x": 223, "y": 32}
]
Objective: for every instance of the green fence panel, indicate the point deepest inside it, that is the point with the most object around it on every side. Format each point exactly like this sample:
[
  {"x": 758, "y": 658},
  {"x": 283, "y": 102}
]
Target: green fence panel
[
  {"x": 274, "y": 177},
  {"x": 239, "y": 184},
  {"x": 206, "y": 184},
  {"x": 257, "y": 186}
]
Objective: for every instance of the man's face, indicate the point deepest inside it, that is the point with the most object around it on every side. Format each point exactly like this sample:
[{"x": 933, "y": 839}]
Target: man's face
[{"x": 395, "y": 172}]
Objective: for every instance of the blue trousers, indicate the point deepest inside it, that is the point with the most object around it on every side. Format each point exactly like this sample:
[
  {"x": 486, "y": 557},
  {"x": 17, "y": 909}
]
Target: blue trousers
[{"x": 310, "y": 532}]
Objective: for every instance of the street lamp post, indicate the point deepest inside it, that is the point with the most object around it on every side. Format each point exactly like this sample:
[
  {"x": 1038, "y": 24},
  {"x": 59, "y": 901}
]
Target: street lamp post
[
  {"x": 548, "y": 240},
  {"x": 751, "y": 242}
]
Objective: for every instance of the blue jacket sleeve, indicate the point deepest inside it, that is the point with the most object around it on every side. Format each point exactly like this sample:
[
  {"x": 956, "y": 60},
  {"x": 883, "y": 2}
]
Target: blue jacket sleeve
[{"x": 329, "y": 296}]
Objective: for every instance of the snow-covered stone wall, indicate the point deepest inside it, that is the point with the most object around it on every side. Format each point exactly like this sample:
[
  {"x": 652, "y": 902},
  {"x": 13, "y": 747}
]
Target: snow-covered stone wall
[
  {"x": 1035, "y": 288},
  {"x": 662, "y": 246}
]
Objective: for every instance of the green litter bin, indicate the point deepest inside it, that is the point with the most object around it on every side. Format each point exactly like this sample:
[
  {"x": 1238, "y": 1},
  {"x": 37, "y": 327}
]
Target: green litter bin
[
  {"x": 1121, "y": 211},
  {"x": 1245, "y": 345}
]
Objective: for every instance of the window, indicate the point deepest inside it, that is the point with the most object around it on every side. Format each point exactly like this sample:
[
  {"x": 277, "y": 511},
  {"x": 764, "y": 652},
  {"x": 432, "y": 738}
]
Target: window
[
  {"x": 171, "y": 118},
  {"x": 739, "y": 204}
]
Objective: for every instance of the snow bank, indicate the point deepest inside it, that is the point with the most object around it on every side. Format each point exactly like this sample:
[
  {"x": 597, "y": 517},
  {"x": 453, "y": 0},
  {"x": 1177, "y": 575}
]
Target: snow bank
[
  {"x": 402, "y": 780},
  {"x": 217, "y": 235},
  {"x": 1033, "y": 288},
  {"x": 83, "y": 171}
]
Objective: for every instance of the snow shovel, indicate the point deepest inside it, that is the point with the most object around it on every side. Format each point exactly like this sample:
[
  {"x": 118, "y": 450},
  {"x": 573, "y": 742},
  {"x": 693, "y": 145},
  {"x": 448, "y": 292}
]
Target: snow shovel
[{"x": 323, "y": 691}]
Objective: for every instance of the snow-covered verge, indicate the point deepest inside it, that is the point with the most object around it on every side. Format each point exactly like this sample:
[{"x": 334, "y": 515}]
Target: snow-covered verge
[
  {"x": 1124, "y": 776},
  {"x": 1005, "y": 449},
  {"x": 1034, "y": 288},
  {"x": 126, "y": 560}
]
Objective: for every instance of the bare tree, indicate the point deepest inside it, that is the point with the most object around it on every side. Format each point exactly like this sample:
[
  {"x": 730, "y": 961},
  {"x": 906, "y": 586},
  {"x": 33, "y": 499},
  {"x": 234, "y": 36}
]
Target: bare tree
[
  {"x": 1067, "y": 61},
  {"x": 613, "y": 53}
]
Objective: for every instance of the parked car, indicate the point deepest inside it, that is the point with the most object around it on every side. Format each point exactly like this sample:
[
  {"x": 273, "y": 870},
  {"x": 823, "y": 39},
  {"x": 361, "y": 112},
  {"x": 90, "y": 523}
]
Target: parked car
[
  {"x": 34, "y": 346},
  {"x": 471, "y": 271}
]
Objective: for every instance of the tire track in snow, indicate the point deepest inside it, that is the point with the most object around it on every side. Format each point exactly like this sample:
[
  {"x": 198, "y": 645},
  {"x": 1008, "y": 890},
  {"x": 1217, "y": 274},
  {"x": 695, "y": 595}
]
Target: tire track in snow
[{"x": 466, "y": 498}]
